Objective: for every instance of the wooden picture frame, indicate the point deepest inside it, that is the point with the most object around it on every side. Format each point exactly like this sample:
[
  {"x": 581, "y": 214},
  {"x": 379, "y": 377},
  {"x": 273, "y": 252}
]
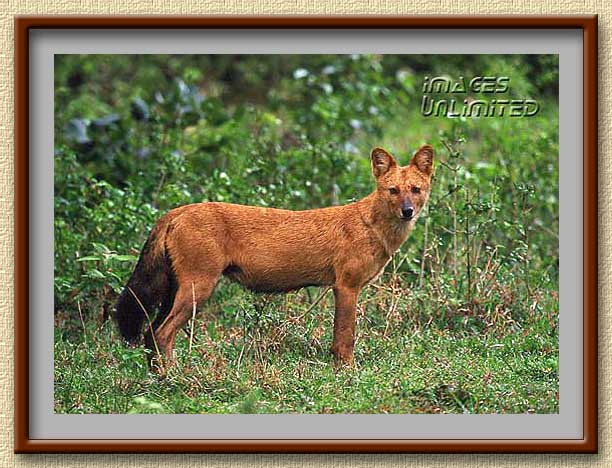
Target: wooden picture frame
[{"x": 24, "y": 443}]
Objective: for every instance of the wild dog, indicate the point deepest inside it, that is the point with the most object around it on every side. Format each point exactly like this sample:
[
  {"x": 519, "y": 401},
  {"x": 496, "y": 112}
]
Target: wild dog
[{"x": 273, "y": 250}]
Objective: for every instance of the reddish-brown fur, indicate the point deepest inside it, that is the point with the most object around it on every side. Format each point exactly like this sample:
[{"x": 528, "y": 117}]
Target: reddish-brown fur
[{"x": 273, "y": 250}]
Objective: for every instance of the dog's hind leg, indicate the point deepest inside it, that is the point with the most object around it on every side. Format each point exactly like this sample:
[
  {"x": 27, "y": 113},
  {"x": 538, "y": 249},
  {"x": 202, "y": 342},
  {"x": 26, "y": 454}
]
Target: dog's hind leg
[{"x": 189, "y": 295}]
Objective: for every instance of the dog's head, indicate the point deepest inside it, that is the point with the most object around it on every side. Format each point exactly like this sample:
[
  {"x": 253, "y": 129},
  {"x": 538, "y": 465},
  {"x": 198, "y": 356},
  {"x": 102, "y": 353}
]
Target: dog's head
[{"x": 405, "y": 189}]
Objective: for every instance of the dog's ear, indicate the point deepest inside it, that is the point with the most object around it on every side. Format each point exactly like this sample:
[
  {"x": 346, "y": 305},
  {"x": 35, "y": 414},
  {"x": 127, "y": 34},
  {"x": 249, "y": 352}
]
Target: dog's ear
[
  {"x": 381, "y": 162},
  {"x": 423, "y": 159}
]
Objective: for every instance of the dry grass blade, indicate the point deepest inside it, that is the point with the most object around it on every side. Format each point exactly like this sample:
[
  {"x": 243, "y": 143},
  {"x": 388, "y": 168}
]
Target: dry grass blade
[
  {"x": 150, "y": 324},
  {"x": 193, "y": 313}
]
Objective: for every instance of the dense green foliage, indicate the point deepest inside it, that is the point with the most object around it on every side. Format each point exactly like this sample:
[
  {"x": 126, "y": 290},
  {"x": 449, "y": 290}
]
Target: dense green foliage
[{"x": 464, "y": 318}]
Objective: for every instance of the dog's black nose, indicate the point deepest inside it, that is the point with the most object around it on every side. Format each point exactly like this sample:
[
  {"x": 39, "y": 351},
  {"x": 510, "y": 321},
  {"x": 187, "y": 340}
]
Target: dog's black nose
[{"x": 407, "y": 212}]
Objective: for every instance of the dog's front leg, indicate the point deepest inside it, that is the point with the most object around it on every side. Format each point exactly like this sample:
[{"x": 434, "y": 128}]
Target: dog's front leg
[{"x": 344, "y": 324}]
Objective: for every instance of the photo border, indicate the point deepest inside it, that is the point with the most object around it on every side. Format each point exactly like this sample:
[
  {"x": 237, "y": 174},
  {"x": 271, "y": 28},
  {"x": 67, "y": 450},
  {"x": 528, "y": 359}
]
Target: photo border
[{"x": 587, "y": 444}]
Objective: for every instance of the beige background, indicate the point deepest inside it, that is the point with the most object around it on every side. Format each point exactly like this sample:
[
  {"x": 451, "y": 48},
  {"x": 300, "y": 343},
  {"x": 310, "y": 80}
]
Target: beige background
[{"x": 115, "y": 7}]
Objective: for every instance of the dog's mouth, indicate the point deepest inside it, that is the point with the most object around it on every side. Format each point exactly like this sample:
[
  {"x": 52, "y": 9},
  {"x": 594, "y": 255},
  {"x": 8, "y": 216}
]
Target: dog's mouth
[{"x": 407, "y": 218}]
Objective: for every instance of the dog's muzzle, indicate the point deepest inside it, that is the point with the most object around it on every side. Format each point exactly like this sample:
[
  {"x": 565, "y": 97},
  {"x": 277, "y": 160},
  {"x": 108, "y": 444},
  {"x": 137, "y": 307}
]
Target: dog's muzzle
[{"x": 407, "y": 212}]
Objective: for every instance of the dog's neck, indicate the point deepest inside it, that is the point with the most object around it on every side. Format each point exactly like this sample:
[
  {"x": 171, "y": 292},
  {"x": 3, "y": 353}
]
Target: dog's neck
[{"x": 387, "y": 229}]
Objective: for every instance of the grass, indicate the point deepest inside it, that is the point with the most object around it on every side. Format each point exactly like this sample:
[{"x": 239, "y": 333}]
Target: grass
[{"x": 269, "y": 354}]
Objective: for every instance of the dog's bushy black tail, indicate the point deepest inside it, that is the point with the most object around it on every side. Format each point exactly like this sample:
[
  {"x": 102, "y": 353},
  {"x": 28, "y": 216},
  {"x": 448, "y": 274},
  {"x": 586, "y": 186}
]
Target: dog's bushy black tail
[{"x": 146, "y": 288}]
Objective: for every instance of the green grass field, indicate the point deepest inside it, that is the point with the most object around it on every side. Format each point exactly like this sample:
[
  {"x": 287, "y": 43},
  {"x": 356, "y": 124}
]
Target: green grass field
[
  {"x": 465, "y": 317},
  {"x": 281, "y": 363}
]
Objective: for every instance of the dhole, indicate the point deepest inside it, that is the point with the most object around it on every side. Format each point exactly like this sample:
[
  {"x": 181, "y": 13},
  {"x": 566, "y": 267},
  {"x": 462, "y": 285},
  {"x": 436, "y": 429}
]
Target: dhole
[{"x": 273, "y": 250}]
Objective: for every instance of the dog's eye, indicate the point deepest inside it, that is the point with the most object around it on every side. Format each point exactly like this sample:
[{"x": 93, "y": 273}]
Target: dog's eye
[
  {"x": 415, "y": 189},
  {"x": 393, "y": 190}
]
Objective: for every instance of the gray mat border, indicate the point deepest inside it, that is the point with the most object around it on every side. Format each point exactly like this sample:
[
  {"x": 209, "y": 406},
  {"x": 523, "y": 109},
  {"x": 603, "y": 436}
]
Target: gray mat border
[{"x": 46, "y": 425}]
